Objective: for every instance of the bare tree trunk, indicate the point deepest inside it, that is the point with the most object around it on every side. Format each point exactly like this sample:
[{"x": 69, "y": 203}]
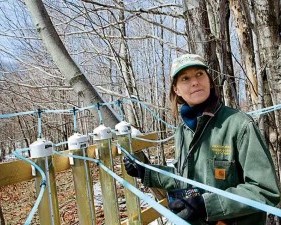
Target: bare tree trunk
[
  {"x": 267, "y": 15},
  {"x": 161, "y": 101},
  {"x": 225, "y": 59},
  {"x": 64, "y": 62},
  {"x": 268, "y": 27},
  {"x": 249, "y": 11},
  {"x": 243, "y": 24},
  {"x": 201, "y": 36},
  {"x": 126, "y": 71},
  {"x": 269, "y": 37}
]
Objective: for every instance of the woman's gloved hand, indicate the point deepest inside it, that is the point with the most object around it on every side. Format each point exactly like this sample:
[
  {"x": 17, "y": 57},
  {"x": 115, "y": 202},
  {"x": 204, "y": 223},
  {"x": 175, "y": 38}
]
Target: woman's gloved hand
[
  {"x": 189, "y": 209},
  {"x": 133, "y": 169}
]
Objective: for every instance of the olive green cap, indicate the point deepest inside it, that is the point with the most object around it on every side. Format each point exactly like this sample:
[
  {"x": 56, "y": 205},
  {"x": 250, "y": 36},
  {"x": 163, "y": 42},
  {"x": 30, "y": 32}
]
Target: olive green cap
[{"x": 186, "y": 61}]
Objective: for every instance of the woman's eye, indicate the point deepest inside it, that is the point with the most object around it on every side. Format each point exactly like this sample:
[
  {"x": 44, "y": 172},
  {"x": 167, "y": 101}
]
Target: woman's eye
[
  {"x": 184, "y": 78},
  {"x": 199, "y": 74}
]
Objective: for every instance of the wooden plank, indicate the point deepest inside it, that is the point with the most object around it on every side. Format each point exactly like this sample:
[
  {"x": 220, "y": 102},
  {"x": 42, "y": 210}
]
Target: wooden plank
[
  {"x": 61, "y": 163},
  {"x": 138, "y": 145},
  {"x": 14, "y": 172},
  {"x": 149, "y": 214},
  {"x": 108, "y": 185},
  {"x": 18, "y": 171},
  {"x": 83, "y": 189},
  {"x": 49, "y": 207},
  {"x": 132, "y": 201}
]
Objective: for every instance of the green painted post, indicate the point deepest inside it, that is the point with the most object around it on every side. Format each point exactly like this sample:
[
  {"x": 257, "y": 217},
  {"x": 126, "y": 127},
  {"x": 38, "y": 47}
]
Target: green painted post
[
  {"x": 132, "y": 201},
  {"x": 102, "y": 135},
  {"x": 83, "y": 184},
  {"x": 42, "y": 150}
]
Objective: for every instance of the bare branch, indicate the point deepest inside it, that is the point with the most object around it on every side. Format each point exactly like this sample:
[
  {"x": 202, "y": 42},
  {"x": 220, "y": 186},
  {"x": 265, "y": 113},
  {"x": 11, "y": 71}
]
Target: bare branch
[
  {"x": 152, "y": 10},
  {"x": 30, "y": 65},
  {"x": 49, "y": 87}
]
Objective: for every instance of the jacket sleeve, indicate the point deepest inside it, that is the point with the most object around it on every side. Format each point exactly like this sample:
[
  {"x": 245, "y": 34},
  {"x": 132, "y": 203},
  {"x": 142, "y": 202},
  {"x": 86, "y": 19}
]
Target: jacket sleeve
[
  {"x": 260, "y": 182},
  {"x": 158, "y": 180}
]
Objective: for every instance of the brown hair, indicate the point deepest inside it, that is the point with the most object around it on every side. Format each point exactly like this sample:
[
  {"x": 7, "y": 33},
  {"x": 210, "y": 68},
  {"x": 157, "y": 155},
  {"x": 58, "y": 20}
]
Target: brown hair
[{"x": 177, "y": 100}]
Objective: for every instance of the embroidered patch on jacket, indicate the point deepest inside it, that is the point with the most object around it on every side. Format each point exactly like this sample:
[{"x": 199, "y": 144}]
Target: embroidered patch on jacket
[
  {"x": 220, "y": 173},
  {"x": 221, "y": 149}
]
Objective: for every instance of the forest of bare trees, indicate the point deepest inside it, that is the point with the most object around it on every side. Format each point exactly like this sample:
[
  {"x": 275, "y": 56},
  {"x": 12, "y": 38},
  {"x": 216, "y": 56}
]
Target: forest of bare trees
[
  {"x": 62, "y": 54},
  {"x": 124, "y": 49}
]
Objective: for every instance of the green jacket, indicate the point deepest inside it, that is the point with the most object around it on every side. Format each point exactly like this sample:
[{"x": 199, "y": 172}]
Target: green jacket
[{"x": 228, "y": 152}]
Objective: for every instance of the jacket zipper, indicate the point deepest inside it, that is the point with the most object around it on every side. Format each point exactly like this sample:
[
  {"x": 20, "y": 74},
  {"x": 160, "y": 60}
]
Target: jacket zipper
[{"x": 191, "y": 149}]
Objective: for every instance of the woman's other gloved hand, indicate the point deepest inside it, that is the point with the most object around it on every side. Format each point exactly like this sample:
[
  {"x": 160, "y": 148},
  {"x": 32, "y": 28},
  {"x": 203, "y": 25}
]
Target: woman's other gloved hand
[
  {"x": 133, "y": 169},
  {"x": 189, "y": 209}
]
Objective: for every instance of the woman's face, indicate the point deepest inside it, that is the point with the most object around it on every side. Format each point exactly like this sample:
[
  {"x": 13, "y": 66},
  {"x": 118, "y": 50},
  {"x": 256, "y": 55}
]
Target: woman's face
[{"x": 193, "y": 85}]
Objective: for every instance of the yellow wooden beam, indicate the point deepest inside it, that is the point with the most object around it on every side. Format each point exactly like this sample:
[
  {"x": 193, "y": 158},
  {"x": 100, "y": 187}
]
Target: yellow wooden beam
[
  {"x": 149, "y": 214},
  {"x": 18, "y": 171},
  {"x": 138, "y": 145},
  {"x": 14, "y": 172}
]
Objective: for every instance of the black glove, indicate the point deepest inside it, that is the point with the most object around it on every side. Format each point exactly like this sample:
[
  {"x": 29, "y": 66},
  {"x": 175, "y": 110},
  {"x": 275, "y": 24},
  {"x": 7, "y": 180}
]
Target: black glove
[
  {"x": 133, "y": 169},
  {"x": 189, "y": 209}
]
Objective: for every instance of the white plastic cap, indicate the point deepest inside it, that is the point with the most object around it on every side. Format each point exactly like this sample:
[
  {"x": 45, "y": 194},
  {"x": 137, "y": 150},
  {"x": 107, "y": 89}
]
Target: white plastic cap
[
  {"x": 102, "y": 132},
  {"x": 41, "y": 148},
  {"x": 77, "y": 141},
  {"x": 123, "y": 128},
  {"x": 135, "y": 132}
]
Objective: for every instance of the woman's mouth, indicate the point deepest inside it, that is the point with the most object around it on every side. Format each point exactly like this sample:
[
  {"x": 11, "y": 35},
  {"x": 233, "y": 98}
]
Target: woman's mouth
[{"x": 196, "y": 91}]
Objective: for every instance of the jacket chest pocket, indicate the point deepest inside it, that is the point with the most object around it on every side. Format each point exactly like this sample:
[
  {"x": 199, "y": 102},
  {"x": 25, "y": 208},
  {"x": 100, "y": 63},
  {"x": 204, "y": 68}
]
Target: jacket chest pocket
[{"x": 222, "y": 174}]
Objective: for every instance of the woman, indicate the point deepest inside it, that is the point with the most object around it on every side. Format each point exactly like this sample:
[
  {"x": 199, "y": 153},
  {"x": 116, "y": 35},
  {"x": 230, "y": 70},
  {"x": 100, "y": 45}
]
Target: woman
[{"x": 214, "y": 145}]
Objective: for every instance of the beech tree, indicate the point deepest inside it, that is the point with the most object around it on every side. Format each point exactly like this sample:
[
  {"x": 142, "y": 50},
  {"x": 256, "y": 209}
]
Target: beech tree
[{"x": 65, "y": 63}]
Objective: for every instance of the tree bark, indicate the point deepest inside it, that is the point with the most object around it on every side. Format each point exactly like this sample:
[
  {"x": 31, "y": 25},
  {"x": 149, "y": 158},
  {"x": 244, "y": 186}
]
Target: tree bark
[
  {"x": 268, "y": 26},
  {"x": 250, "y": 54},
  {"x": 126, "y": 69},
  {"x": 224, "y": 52},
  {"x": 84, "y": 89},
  {"x": 198, "y": 28}
]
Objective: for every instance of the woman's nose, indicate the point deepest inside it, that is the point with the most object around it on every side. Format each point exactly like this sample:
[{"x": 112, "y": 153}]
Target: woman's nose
[{"x": 193, "y": 81}]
